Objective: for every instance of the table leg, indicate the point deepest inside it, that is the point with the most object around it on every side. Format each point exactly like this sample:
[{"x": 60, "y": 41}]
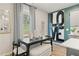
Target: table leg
[
  {"x": 28, "y": 47},
  {"x": 41, "y": 43},
  {"x": 51, "y": 45}
]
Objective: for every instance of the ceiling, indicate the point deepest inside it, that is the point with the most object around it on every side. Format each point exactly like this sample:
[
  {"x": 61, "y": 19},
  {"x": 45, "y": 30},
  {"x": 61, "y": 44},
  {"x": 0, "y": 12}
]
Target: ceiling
[{"x": 50, "y": 7}]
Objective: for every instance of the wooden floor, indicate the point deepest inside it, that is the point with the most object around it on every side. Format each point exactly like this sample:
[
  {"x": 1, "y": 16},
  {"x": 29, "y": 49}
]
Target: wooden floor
[{"x": 58, "y": 50}]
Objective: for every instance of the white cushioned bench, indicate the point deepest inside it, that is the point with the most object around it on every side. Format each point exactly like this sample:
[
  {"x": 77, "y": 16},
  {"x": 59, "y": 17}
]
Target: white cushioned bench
[{"x": 41, "y": 50}]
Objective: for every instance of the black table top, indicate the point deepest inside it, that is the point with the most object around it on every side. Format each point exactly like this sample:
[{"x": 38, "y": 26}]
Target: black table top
[{"x": 35, "y": 40}]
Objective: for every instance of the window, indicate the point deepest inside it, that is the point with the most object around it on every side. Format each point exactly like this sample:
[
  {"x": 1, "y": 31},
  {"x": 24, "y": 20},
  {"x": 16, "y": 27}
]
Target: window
[
  {"x": 26, "y": 18},
  {"x": 28, "y": 14},
  {"x": 74, "y": 21},
  {"x": 74, "y": 18}
]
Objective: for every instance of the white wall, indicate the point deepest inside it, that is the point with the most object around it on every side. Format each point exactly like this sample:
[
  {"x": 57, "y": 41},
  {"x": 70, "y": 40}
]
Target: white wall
[
  {"x": 6, "y": 39},
  {"x": 41, "y": 16}
]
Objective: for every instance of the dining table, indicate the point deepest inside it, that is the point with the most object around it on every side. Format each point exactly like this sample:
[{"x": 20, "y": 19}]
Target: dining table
[{"x": 35, "y": 41}]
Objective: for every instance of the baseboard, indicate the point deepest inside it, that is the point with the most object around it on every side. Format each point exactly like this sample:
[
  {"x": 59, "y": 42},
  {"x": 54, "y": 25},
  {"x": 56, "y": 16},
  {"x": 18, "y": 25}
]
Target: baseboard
[{"x": 6, "y": 54}]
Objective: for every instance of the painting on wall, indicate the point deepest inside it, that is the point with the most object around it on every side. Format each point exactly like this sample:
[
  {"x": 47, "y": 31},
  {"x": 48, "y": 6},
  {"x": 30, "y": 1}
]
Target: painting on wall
[
  {"x": 57, "y": 25},
  {"x": 4, "y": 21}
]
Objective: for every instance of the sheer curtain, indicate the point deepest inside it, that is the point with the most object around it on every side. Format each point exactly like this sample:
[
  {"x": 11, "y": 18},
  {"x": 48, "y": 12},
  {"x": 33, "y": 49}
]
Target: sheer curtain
[
  {"x": 32, "y": 21},
  {"x": 19, "y": 21}
]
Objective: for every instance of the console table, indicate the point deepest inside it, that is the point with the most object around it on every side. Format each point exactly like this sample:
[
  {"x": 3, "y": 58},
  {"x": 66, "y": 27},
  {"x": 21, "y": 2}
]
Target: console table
[{"x": 35, "y": 42}]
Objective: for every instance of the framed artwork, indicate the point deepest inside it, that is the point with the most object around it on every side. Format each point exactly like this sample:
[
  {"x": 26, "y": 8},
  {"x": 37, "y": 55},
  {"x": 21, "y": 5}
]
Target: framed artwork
[{"x": 4, "y": 21}]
